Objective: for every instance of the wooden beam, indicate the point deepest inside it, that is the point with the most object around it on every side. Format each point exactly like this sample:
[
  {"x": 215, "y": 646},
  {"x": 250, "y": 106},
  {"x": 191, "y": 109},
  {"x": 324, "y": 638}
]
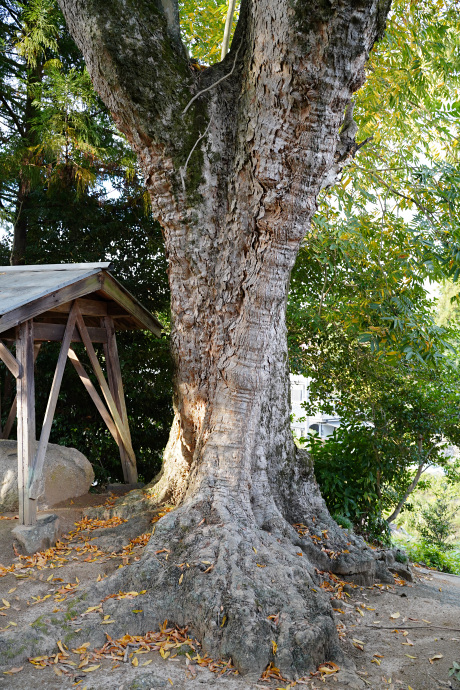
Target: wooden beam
[
  {"x": 79, "y": 368},
  {"x": 103, "y": 384},
  {"x": 88, "y": 307},
  {"x": 10, "y": 361},
  {"x": 13, "y": 410},
  {"x": 35, "y": 472},
  {"x": 47, "y": 302},
  {"x": 26, "y": 420},
  {"x": 144, "y": 318},
  {"x": 116, "y": 388},
  {"x": 55, "y": 333}
]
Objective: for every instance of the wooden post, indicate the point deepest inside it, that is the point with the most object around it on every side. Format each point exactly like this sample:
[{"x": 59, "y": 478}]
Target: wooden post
[
  {"x": 12, "y": 414},
  {"x": 26, "y": 420},
  {"x": 116, "y": 388}
]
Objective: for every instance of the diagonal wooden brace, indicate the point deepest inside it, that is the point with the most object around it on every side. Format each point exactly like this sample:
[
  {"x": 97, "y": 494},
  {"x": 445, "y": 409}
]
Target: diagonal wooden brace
[
  {"x": 14, "y": 407},
  {"x": 39, "y": 459},
  {"x": 10, "y": 361},
  {"x": 94, "y": 395},
  {"x": 104, "y": 387}
]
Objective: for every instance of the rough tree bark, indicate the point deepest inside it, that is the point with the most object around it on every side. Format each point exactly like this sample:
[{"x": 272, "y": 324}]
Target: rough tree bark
[
  {"x": 24, "y": 203},
  {"x": 234, "y": 157}
]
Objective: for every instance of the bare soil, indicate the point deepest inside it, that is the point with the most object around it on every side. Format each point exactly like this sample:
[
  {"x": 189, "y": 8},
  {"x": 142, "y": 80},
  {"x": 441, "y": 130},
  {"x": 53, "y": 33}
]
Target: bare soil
[{"x": 399, "y": 636}]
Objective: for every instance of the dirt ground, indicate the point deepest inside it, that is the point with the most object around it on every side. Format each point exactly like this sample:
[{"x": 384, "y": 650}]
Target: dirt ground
[{"x": 401, "y": 637}]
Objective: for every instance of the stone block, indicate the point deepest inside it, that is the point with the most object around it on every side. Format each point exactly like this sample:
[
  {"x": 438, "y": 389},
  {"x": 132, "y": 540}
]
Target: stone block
[{"x": 40, "y": 536}]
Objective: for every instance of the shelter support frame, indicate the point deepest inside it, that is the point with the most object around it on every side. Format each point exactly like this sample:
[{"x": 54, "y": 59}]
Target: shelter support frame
[{"x": 114, "y": 412}]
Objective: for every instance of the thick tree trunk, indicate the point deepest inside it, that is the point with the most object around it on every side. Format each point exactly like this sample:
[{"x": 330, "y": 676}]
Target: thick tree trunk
[
  {"x": 18, "y": 249},
  {"x": 234, "y": 158},
  {"x": 24, "y": 203}
]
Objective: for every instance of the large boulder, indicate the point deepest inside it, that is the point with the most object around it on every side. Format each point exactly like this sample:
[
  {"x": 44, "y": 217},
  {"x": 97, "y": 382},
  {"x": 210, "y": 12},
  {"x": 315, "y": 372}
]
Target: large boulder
[{"x": 67, "y": 474}]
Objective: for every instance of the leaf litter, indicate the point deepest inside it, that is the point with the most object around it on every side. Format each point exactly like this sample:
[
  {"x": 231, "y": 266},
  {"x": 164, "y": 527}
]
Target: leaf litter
[{"x": 76, "y": 663}]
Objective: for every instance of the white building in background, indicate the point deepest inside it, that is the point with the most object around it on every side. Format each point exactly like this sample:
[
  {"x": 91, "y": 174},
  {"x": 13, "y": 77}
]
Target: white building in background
[{"x": 322, "y": 424}]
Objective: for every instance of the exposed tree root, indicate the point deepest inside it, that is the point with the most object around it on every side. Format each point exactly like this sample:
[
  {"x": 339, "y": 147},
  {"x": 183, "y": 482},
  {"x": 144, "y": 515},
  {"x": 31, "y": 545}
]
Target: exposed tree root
[{"x": 247, "y": 592}]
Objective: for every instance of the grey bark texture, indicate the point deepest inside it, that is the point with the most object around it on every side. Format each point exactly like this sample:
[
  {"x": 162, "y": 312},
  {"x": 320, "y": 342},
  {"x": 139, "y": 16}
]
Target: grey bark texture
[{"x": 234, "y": 157}]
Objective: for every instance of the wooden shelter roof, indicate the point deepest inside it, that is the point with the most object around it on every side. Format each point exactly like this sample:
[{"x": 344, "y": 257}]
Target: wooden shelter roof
[{"x": 45, "y": 292}]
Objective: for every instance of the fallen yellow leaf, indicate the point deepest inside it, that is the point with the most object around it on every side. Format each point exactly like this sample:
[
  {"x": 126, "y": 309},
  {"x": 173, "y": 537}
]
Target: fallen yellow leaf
[
  {"x": 135, "y": 661},
  {"x": 15, "y": 669},
  {"x": 61, "y": 647},
  {"x": 395, "y": 615},
  {"x": 327, "y": 670},
  {"x": 91, "y": 668}
]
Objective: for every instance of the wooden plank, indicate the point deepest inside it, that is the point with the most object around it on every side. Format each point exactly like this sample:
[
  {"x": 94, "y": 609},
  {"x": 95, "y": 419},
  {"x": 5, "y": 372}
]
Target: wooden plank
[
  {"x": 10, "y": 361},
  {"x": 79, "y": 368},
  {"x": 49, "y": 301},
  {"x": 88, "y": 307},
  {"x": 45, "y": 268},
  {"x": 26, "y": 420},
  {"x": 114, "y": 310},
  {"x": 103, "y": 383},
  {"x": 115, "y": 291},
  {"x": 55, "y": 332},
  {"x": 39, "y": 459},
  {"x": 13, "y": 410},
  {"x": 116, "y": 387}
]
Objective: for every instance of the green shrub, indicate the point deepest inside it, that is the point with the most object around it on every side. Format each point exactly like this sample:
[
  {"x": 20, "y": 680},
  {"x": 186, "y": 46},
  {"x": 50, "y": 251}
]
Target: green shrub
[
  {"x": 436, "y": 526},
  {"x": 348, "y": 476},
  {"x": 431, "y": 556},
  {"x": 455, "y": 670},
  {"x": 343, "y": 521}
]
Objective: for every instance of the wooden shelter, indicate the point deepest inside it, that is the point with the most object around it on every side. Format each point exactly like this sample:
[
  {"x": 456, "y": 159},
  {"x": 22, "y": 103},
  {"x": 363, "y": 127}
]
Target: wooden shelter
[{"x": 65, "y": 303}]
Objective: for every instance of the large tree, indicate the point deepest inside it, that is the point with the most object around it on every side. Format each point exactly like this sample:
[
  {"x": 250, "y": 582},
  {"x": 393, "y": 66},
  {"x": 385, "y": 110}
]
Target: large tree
[{"x": 234, "y": 157}]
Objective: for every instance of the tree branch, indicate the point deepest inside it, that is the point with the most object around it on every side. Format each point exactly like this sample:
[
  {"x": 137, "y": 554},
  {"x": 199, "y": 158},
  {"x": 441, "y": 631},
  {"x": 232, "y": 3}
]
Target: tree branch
[
  {"x": 13, "y": 115},
  {"x": 408, "y": 491},
  {"x": 138, "y": 65}
]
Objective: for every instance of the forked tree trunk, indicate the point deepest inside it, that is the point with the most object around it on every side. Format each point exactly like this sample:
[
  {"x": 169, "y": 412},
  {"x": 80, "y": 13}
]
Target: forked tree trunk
[{"x": 234, "y": 157}]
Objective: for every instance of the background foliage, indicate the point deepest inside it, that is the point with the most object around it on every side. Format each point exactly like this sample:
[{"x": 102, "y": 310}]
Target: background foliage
[
  {"x": 70, "y": 188},
  {"x": 360, "y": 323}
]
